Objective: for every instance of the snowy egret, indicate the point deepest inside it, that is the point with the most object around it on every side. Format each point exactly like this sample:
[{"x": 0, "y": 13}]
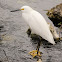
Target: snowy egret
[{"x": 37, "y": 24}]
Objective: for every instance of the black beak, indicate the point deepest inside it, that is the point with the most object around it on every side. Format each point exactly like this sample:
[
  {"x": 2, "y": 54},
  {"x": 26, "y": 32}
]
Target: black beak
[{"x": 15, "y": 10}]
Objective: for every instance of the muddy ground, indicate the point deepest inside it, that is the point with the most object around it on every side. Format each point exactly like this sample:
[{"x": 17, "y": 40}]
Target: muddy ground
[{"x": 14, "y": 41}]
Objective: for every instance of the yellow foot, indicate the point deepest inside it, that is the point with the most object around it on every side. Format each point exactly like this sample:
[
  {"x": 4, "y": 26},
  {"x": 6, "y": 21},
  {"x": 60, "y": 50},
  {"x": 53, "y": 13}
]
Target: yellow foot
[
  {"x": 39, "y": 60},
  {"x": 34, "y": 53}
]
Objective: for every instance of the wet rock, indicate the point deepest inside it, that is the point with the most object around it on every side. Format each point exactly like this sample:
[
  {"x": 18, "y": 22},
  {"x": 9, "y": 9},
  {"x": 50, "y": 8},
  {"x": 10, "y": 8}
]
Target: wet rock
[
  {"x": 55, "y": 15},
  {"x": 16, "y": 44},
  {"x": 1, "y": 27},
  {"x": 0, "y": 38},
  {"x": 0, "y": 61}
]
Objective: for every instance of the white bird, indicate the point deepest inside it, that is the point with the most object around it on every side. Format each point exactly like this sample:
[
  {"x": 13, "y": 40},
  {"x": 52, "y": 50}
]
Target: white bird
[{"x": 37, "y": 23}]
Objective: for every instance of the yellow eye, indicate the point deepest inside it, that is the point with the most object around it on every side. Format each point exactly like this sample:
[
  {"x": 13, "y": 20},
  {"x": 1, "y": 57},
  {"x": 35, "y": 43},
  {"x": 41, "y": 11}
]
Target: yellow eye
[{"x": 22, "y": 9}]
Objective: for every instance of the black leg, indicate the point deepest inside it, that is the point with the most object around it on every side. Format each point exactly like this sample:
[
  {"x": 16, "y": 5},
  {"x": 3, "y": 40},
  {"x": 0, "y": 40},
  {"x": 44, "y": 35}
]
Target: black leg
[
  {"x": 38, "y": 46},
  {"x": 39, "y": 43}
]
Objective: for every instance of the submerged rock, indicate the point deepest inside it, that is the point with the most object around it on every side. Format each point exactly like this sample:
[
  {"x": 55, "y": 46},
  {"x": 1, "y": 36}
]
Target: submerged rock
[{"x": 55, "y": 15}]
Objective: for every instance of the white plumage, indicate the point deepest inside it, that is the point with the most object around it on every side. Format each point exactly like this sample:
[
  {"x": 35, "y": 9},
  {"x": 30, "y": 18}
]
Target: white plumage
[{"x": 37, "y": 23}]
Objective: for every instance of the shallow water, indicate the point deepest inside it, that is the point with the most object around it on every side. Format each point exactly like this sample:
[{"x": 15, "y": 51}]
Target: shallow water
[{"x": 16, "y": 44}]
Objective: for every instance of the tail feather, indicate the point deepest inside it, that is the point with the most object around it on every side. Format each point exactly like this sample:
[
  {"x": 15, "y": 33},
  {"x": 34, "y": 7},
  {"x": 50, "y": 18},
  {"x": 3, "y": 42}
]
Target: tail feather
[{"x": 53, "y": 42}]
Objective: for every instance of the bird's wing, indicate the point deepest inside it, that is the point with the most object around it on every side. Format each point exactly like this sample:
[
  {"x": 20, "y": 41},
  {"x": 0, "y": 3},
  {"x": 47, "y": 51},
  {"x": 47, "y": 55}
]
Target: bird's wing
[{"x": 40, "y": 27}]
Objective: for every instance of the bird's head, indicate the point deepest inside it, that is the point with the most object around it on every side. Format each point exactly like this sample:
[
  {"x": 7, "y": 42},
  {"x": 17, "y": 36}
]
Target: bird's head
[{"x": 24, "y": 9}]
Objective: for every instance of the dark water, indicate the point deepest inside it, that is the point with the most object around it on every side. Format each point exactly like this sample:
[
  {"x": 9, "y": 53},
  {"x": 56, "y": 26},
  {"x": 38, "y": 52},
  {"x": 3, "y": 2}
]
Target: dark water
[{"x": 16, "y": 44}]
